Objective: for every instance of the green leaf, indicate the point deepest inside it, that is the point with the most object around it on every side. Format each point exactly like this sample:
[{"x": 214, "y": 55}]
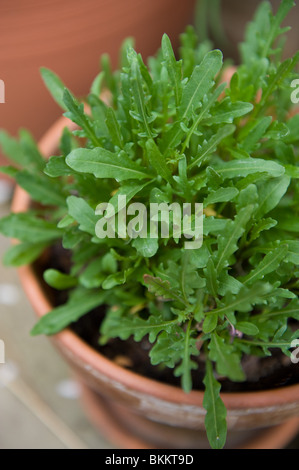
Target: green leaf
[
  {"x": 114, "y": 128},
  {"x": 226, "y": 112},
  {"x": 247, "y": 328},
  {"x": 243, "y": 301},
  {"x": 210, "y": 323},
  {"x": 79, "y": 304},
  {"x": 105, "y": 164},
  {"x": 77, "y": 115},
  {"x": 27, "y": 227},
  {"x": 12, "y": 148},
  {"x": 186, "y": 366},
  {"x": 55, "y": 86},
  {"x": 156, "y": 159},
  {"x": 57, "y": 166},
  {"x": 23, "y": 152},
  {"x": 293, "y": 251},
  {"x": 31, "y": 151},
  {"x": 210, "y": 147},
  {"x": 251, "y": 134},
  {"x": 221, "y": 195},
  {"x": 241, "y": 168},
  {"x": 81, "y": 211},
  {"x": 174, "y": 68},
  {"x": 146, "y": 247},
  {"x": 211, "y": 278},
  {"x": 260, "y": 226},
  {"x": 270, "y": 194},
  {"x": 93, "y": 276},
  {"x": 128, "y": 189},
  {"x": 215, "y": 420},
  {"x": 227, "y": 243},
  {"x": 58, "y": 280},
  {"x": 269, "y": 264},
  {"x": 162, "y": 288},
  {"x": 136, "y": 327},
  {"x": 227, "y": 361},
  {"x": 41, "y": 188},
  {"x": 291, "y": 311},
  {"x": 138, "y": 93},
  {"x": 23, "y": 253},
  {"x": 201, "y": 80}
]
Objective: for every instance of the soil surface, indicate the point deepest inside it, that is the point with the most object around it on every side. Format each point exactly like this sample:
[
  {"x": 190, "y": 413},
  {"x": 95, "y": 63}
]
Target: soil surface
[{"x": 262, "y": 373}]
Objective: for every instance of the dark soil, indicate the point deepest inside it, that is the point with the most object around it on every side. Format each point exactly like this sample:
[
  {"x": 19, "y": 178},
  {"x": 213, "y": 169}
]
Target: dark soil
[{"x": 262, "y": 373}]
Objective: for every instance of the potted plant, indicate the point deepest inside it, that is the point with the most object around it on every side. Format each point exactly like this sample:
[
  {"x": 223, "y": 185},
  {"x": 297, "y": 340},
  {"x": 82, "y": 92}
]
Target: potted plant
[{"x": 165, "y": 227}]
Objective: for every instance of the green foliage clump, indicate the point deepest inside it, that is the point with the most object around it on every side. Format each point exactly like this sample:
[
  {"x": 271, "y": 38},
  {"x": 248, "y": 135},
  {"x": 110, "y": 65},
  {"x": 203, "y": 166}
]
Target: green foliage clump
[{"x": 173, "y": 132}]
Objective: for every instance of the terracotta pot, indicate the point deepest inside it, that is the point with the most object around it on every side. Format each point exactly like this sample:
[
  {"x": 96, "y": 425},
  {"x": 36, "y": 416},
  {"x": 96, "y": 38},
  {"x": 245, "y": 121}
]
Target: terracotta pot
[
  {"x": 146, "y": 400},
  {"x": 69, "y": 37}
]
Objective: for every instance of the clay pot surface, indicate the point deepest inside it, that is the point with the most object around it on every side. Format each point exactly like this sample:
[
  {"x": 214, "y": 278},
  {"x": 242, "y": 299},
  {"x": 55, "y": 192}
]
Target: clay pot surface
[
  {"x": 156, "y": 401},
  {"x": 69, "y": 37}
]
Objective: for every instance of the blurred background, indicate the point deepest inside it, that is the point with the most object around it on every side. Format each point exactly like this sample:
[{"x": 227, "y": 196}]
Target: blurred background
[{"x": 39, "y": 400}]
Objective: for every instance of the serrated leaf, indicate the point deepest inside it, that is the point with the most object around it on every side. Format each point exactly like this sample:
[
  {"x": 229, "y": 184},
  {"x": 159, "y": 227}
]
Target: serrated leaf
[
  {"x": 251, "y": 134},
  {"x": 27, "y": 227},
  {"x": 227, "y": 361},
  {"x": 241, "y": 168},
  {"x": 136, "y": 327},
  {"x": 215, "y": 420},
  {"x": 162, "y": 288},
  {"x": 260, "y": 226},
  {"x": 41, "y": 188},
  {"x": 81, "y": 211},
  {"x": 269, "y": 264},
  {"x": 227, "y": 243},
  {"x": 210, "y": 147},
  {"x": 201, "y": 80},
  {"x": 187, "y": 364},
  {"x": 55, "y": 86},
  {"x": 244, "y": 300},
  {"x": 220, "y": 195},
  {"x": 83, "y": 302},
  {"x": 56, "y": 166},
  {"x": 227, "y": 111},
  {"x": 78, "y": 116},
  {"x": 114, "y": 128},
  {"x": 23, "y": 253},
  {"x": 174, "y": 68},
  {"x": 105, "y": 164},
  {"x": 157, "y": 160},
  {"x": 270, "y": 193},
  {"x": 293, "y": 251}
]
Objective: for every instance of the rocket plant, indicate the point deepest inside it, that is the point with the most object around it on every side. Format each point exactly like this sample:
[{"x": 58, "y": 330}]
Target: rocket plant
[{"x": 171, "y": 131}]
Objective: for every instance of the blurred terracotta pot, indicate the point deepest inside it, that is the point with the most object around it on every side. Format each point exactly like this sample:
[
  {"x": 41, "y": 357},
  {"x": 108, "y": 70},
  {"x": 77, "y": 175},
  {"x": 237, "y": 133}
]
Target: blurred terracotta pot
[{"x": 69, "y": 37}]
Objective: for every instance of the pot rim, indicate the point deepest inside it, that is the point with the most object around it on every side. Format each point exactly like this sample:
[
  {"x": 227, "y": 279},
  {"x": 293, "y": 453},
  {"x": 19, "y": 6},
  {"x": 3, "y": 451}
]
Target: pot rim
[{"x": 102, "y": 365}]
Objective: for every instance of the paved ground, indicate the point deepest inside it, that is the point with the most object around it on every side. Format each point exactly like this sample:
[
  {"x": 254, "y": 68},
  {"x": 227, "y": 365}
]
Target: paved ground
[{"x": 39, "y": 401}]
